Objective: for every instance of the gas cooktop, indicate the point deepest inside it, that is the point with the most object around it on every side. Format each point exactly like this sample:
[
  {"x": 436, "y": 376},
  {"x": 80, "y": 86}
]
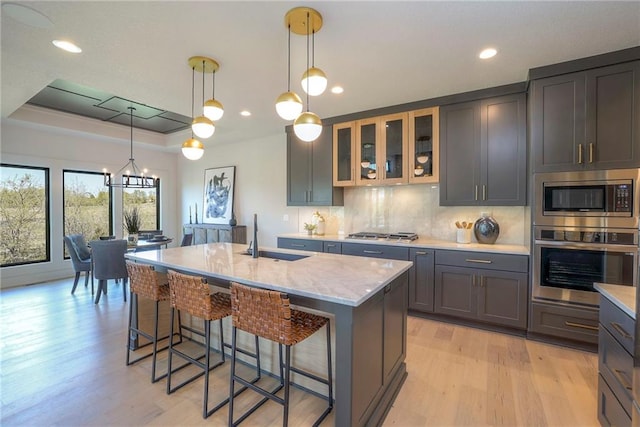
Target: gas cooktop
[{"x": 401, "y": 236}]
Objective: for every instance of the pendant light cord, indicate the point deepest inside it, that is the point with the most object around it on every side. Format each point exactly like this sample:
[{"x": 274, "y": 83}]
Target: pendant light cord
[
  {"x": 131, "y": 129},
  {"x": 289, "y": 60},
  {"x": 203, "y": 73},
  {"x": 213, "y": 83},
  {"x": 307, "y": 62},
  {"x": 193, "y": 90}
]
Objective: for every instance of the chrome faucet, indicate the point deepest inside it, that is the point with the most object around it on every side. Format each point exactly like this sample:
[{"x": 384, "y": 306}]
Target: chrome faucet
[{"x": 255, "y": 251}]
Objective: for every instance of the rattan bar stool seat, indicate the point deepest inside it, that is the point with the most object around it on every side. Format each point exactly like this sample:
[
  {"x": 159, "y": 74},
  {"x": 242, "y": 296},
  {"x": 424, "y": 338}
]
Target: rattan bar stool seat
[
  {"x": 143, "y": 282},
  {"x": 267, "y": 313},
  {"x": 192, "y": 295}
]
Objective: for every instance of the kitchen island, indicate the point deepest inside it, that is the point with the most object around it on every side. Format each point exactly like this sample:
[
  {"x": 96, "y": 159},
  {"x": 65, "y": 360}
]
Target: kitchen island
[{"x": 366, "y": 297}]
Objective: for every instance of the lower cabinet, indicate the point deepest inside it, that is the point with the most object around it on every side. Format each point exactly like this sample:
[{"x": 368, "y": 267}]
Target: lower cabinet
[
  {"x": 300, "y": 244},
  {"x": 491, "y": 288},
  {"x": 214, "y": 233},
  {"x": 376, "y": 251},
  {"x": 332, "y": 247},
  {"x": 573, "y": 323},
  {"x": 421, "y": 277},
  {"x": 615, "y": 365}
]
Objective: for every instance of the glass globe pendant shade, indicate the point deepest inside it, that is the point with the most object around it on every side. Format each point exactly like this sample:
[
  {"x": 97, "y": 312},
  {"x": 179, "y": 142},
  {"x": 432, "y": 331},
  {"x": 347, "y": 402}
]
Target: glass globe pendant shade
[
  {"x": 192, "y": 149},
  {"x": 317, "y": 81},
  {"x": 289, "y": 105},
  {"x": 307, "y": 126},
  {"x": 213, "y": 110},
  {"x": 203, "y": 127}
]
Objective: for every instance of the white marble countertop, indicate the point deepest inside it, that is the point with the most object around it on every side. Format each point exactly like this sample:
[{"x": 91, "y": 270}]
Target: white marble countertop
[
  {"x": 342, "y": 279},
  {"x": 422, "y": 242},
  {"x": 624, "y": 297}
]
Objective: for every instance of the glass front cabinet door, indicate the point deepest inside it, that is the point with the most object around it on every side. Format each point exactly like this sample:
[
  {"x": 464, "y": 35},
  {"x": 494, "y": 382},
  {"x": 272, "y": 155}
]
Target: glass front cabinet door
[
  {"x": 424, "y": 155},
  {"x": 367, "y": 152},
  {"x": 344, "y": 154},
  {"x": 393, "y": 165}
]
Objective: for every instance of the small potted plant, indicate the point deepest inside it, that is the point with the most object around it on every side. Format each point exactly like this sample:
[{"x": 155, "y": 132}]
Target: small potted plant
[
  {"x": 309, "y": 228},
  {"x": 132, "y": 223}
]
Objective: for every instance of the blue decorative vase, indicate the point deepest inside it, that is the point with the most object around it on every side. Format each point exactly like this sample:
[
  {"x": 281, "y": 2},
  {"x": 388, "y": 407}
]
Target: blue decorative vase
[{"x": 486, "y": 230}]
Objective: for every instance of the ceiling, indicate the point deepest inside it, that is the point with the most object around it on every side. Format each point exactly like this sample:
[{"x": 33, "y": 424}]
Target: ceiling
[{"x": 382, "y": 53}]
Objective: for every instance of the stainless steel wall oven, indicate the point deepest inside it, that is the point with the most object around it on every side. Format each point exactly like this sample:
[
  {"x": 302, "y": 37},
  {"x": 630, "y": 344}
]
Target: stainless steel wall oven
[{"x": 585, "y": 231}]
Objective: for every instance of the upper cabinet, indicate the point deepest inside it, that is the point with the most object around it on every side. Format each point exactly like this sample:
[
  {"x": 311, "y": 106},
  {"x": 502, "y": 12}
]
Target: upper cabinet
[
  {"x": 309, "y": 171},
  {"x": 424, "y": 140},
  {"x": 587, "y": 120},
  {"x": 344, "y": 154},
  {"x": 393, "y": 149},
  {"x": 483, "y": 152}
]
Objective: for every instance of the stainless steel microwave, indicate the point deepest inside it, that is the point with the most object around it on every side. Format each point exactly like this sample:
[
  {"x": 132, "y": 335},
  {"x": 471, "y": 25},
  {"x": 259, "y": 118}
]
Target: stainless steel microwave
[{"x": 607, "y": 198}]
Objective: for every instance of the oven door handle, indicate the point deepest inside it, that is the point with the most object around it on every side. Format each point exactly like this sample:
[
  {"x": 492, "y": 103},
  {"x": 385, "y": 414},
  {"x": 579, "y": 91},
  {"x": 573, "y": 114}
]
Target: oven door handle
[{"x": 590, "y": 246}]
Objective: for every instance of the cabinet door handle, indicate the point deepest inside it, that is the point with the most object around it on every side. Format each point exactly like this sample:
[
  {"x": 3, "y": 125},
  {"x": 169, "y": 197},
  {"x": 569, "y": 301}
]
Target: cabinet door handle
[
  {"x": 298, "y": 245},
  {"x": 620, "y": 330},
  {"x": 580, "y": 154},
  {"x": 581, "y": 325},
  {"x": 591, "y": 152},
  {"x": 484, "y": 192},
  {"x": 622, "y": 377},
  {"x": 420, "y": 253},
  {"x": 331, "y": 246},
  {"x": 476, "y": 196},
  {"x": 366, "y": 251},
  {"x": 479, "y": 261}
]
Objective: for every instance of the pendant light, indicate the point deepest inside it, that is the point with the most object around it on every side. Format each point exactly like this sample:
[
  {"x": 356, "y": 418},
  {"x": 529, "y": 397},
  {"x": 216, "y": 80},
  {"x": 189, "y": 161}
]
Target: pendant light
[
  {"x": 192, "y": 149},
  {"x": 213, "y": 109},
  {"x": 201, "y": 125},
  {"x": 307, "y": 126},
  {"x": 130, "y": 175},
  {"x": 289, "y": 104},
  {"x": 314, "y": 80}
]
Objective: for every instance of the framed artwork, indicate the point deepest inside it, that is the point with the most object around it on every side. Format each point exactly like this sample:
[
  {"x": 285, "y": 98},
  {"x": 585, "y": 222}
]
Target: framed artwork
[{"x": 218, "y": 195}]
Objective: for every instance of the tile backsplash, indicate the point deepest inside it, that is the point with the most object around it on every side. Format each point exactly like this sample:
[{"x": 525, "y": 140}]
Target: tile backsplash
[{"x": 414, "y": 208}]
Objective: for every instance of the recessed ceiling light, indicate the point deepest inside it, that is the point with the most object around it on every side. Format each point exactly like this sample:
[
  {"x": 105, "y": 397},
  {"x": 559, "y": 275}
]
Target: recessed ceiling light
[
  {"x": 245, "y": 113},
  {"x": 66, "y": 45},
  {"x": 488, "y": 53},
  {"x": 337, "y": 89}
]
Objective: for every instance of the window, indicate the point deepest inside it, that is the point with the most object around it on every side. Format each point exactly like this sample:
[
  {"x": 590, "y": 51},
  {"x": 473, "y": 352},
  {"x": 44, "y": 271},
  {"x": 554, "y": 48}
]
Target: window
[
  {"x": 87, "y": 205},
  {"x": 24, "y": 215},
  {"x": 148, "y": 202}
]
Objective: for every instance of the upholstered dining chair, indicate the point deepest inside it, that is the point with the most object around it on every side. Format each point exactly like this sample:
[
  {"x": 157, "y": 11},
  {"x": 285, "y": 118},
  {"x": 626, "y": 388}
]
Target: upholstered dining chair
[
  {"x": 187, "y": 239},
  {"x": 80, "y": 259},
  {"x": 109, "y": 263}
]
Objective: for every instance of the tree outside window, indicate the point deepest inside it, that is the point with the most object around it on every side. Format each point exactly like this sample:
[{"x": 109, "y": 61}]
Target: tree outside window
[{"x": 24, "y": 215}]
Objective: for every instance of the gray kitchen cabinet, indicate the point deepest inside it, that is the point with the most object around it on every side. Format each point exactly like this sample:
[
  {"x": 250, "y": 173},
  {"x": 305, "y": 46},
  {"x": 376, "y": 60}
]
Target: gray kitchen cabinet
[
  {"x": 300, "y": 244},
  {"x": 573, "y": 323},
  {"x": 332, "y": 247},
  {"x": 491, "y": 288},
  {"x": 309, "y": 171},
  {"x": 375, "y": 251},
  {"x": 615, "y": 365},
  {"x": 587, "y": 120},
  {"x": 483, "y": 152},
  {"x": 214, "y": 233},
  {"x": 421, "y": 280}
]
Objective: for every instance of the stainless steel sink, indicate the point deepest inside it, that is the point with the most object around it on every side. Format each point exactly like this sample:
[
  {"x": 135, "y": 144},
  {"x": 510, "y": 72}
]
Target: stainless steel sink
[{"x": 278, "y": 255}]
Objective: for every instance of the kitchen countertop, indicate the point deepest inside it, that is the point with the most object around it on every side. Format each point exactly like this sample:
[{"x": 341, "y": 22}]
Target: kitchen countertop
[
  {"x": 624, "y": 297},
  {"x": 342, "y": 279},
  {"x": 422, "y": 242}
]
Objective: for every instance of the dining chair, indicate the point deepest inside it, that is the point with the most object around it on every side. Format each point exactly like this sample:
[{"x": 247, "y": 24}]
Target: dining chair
[
  {"x": 187, "y": 239},
  {"x": 109, "y": 263},
  {"x": 80, "y": 259}
]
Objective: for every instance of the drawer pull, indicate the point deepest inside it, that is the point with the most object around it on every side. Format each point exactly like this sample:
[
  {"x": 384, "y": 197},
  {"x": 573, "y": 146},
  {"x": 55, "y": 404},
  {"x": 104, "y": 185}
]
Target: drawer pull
[
  {"x": 479, "y": 261},
  {"x": 298, "y": 245},
  {"x": 331, "y": 246},
  {"x": 622, "y": 378},
  {"x": 581, "y": 325},
  {"x": 366, "y": 251},
  {"x": 420, "y": 253},
  {"x": 620, "y": 330}
]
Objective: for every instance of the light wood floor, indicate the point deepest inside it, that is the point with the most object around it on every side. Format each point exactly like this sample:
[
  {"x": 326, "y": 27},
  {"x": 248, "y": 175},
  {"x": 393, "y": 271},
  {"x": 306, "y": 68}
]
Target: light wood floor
[{"x": 62, "y": 363}]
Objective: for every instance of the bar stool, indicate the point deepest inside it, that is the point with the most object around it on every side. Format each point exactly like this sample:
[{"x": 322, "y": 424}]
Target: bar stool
[
  {"x": 267, "y": 314},
  {"x": 143, "y": 281},
  {"x": 192, "y": 294}
]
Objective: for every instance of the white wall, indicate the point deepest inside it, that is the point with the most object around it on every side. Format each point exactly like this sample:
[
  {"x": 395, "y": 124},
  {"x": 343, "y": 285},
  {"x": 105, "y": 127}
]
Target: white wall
[{"x": 56, "y": 148}]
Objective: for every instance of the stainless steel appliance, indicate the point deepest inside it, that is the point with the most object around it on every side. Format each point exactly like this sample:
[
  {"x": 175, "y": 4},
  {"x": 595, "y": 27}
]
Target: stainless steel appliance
[
  {"x": 602, "y": 199},
  {"x": 585, "y": 231},
  {"x": 568, "y": 260},
  {"x": 401, "y": 236}
]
